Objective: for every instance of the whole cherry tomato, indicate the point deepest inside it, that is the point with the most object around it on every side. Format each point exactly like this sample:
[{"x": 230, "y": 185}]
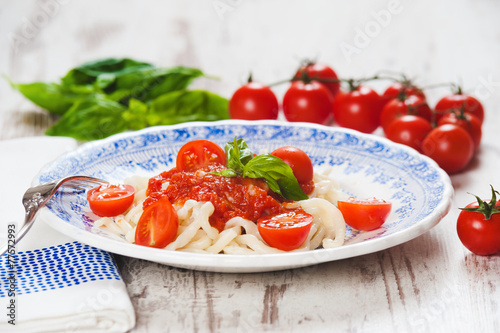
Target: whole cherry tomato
[
  {"x": 396, "y": 108},
  {"x": 467, "y": 121},
  {"x": 478, "y": 226},
  {"x": 397, "y": 89},
  {"x": 300, "y": 163},
  {"x": 358, "y": 109},
  {"x": 456, "y": 102},
  {"x": 450, "y": 146},
  {"x": 409, "y": 130},
  {"x": 253, "y": 101},
  {"x": 307, "y": 102},
  {"x": 315, "y": 71}
]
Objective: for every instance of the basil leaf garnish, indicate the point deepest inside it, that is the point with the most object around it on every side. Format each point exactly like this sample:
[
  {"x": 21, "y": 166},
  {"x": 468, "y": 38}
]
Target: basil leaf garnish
[{"x": 277, "y": 174}]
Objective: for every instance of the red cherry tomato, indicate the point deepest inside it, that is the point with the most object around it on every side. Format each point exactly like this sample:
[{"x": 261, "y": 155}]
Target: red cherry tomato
[
  {"x": 307, "y": 102},
  {"x": 450, "y": 146},
  {"x": 358, "y": 109},
  {"x": 364, "y": 214},
  {"x": 456, "y": 102},
  {"x": 253, "y": 101},
  {"x": 396, "y": 89},
  {"x": 409, "y": 130},
  {"x": 158, "y": 224},
  {"x": 198, "y": 154},
  {"x": 320, "y": 71},
  {"x": 110, "y": 200},
  {"x": 298, "y": 160},
  {"x": 285, "y": 231},
  {"x": 467, "y": 121},
  {"x": 413, "y": 105},
  {"x": 479, "y": 232}
]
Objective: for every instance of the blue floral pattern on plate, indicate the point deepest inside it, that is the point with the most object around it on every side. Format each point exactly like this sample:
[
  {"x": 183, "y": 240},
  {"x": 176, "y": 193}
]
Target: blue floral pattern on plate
[{"x": 363, "y": 165}]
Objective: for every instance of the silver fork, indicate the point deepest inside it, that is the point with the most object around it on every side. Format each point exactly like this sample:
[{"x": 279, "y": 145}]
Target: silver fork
[{"x": 37, "y": 196}]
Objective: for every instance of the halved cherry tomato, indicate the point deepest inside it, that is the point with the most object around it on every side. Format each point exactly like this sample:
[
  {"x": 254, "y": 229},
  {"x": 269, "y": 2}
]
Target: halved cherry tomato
[
  {"x": 198, "y": 154},
  {"x": 158, "y": 224},
  {"x": 298, "y": 160},
  {"x": 110, "y": 200},
  {"x": 364, "y": 214},
  {"x": 285, "y": 231}
]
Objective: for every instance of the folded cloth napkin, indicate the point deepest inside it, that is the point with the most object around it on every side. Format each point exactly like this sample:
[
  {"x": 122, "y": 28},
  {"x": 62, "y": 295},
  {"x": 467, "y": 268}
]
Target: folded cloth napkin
[{"x": 49, "y": 282}]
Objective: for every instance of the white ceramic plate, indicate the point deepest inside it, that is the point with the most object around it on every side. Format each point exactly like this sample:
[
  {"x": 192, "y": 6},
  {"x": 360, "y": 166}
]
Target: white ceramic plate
[{"x": 363, "y": 165}]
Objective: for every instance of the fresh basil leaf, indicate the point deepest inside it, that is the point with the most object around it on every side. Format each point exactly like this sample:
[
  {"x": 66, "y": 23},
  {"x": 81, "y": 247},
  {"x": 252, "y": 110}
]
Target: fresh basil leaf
[
  {"x": 94, "y": 117},
  {"x": 245, "y": 154},
  {"x": 226, "y": 173},
  {"x": 238, "y": 154},
  {"x": 120, "y": 95},
  {"x": 135, "y": 116},
  {"x": 277, "y": 174},
  {"x": 102, "y": 71},
  {"x": 52, "y": 97},
  {"x": 132, "y": 79},
  {"x": 187, "y": 105},
  {"x": 149, "y": 83}
]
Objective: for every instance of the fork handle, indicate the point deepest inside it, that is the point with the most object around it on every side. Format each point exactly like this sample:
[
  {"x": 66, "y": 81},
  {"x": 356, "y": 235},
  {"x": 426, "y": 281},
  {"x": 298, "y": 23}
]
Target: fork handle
[{"x": 28, "y": 223}]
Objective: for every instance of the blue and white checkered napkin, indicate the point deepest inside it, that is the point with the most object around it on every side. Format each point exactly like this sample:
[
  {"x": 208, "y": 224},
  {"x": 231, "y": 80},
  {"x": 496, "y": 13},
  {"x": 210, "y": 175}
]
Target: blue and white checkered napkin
[{"x": 52, "y": 283}]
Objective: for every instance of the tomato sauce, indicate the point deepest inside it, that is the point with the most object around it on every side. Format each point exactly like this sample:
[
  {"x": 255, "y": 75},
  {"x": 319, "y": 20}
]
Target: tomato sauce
[{"x": 231, "y": 196}]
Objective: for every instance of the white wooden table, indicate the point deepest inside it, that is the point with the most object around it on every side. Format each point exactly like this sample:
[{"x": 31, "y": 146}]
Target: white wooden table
[{"x": 431, "y": 283}]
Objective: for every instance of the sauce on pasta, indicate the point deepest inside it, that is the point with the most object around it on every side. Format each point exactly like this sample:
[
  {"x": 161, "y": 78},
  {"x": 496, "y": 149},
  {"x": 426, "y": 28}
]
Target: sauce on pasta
[{"x": 235, "y": 196}]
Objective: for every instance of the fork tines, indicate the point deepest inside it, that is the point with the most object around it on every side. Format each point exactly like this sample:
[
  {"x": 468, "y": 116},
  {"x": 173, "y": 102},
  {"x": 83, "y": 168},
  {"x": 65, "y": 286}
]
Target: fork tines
[{"x": 83, "y": 182}]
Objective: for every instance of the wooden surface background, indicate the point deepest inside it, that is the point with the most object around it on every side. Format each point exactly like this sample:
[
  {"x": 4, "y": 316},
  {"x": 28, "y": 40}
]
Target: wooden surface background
[{"x": 429, "y": 284}]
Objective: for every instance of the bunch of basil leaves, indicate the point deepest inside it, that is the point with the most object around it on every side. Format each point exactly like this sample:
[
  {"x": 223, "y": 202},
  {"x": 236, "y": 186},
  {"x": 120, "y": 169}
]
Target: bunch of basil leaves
[{"x": 109, "y": 96}]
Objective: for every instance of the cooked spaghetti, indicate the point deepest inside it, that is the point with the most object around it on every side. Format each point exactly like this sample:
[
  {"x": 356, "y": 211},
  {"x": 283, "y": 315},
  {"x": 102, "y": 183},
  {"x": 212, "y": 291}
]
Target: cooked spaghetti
[{"x": 217, "y": 214}]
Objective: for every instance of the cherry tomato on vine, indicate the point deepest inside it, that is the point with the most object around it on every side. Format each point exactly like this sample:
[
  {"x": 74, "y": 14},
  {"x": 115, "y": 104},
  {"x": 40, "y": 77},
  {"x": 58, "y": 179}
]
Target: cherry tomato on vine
[
  {"x": 398, "y": 88},
  {"x": 285, "y": 231},
  {"x": 307, "y": 102},
  {"x": 198, "y": 154},
  {"x": 467, "y": 121},
  {"x": 413, "y": 105},
  {"x": 315, "y": 71},
  {"x": 110, "y": 200},
  {"x": 298, "y": 160},
  {"x": 409, "y": 130},
  {"x": 478, "y": 226},
  {"x": 158, "y": 224},
  {"x": 253, "y": 101},
  {"x": 364, "y": 214},
  {"x": 456, "y": 102},
  {"x": 450, "y": 146},
  {"x": 358, "y": 109}
]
